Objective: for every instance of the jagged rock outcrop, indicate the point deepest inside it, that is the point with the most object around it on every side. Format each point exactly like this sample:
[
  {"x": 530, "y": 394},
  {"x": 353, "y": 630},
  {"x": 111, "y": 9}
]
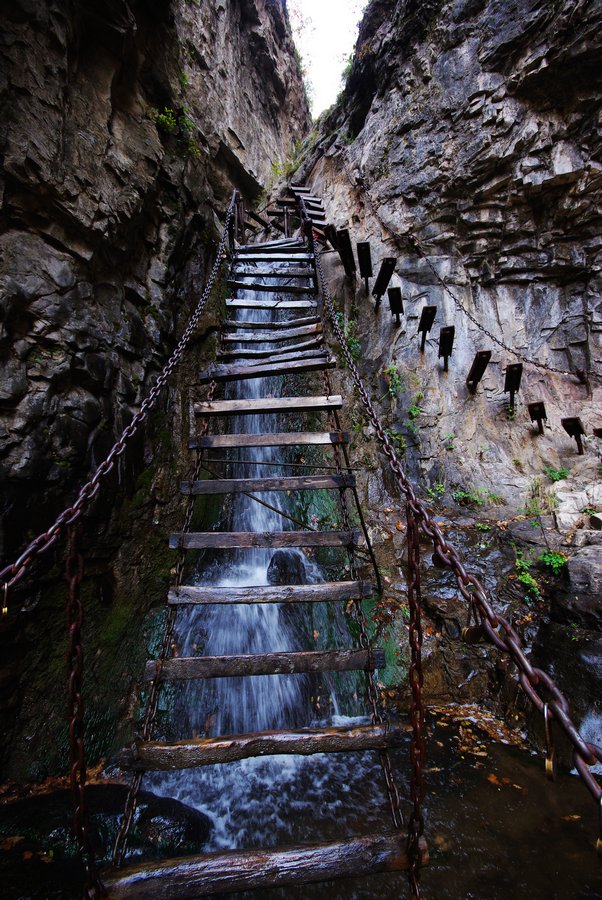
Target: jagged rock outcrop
[{"x": 126, "y": 125}]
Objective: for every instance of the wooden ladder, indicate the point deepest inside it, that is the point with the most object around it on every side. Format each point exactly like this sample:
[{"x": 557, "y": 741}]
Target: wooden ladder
[{"x": 237, "y": 870}]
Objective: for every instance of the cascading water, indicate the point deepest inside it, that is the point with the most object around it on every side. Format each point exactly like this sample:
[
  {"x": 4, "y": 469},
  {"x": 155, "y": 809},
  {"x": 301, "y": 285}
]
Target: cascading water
[{"x": 257, "y": 801}]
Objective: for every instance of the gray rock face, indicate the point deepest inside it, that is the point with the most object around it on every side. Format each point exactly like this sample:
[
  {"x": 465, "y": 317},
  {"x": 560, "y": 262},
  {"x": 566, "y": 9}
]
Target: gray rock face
[
  {"x": 469, "y": 130},
  {"x": 286, "y": 567},
  {"x": 585, "y": 598},
  {"x": 125, "y": 127}
]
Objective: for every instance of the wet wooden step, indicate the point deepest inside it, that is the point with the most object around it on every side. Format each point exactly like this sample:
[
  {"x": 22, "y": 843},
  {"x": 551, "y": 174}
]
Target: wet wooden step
[
  {"x": 266, "y": 540},
  {"x": 272, "y": 326},
  {"x": 288, "y": 483},
  {"x": 286, "y": 247},
  {"x": 158, "y": 756},
  {"x": 268, "y": 257},
  {"x": 301, "y": 350},
  {"x": 277, "y": 439},
  {"x": 278, "y": 365},
  {"x": 267, "y": 405},
  {"x": 289, "y": 303},
  {"x": 230, "y": 871},
  {"x": 188, "y": 668},
  {"x": 270, "y": 288},
  {"x": 324, "y": 592},
  {"x": 273, "y": 273},
  {"x": 270, "y": 335}
]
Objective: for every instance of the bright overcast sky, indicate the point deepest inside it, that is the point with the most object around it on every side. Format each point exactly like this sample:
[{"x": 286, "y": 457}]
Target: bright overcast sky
[{"x": 325, "y": 34}]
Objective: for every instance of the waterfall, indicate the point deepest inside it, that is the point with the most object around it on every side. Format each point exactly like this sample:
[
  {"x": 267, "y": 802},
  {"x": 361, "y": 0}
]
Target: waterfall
[{"x": 250, "y": 801}]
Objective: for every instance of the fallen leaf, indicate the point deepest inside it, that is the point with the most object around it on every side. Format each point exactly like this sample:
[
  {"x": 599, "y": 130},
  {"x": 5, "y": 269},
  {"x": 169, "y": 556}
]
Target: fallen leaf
[
  {"x": 572, "y": 818},
  {"x": 27, "y": 854},
  {"x": 9, "y": 842}
]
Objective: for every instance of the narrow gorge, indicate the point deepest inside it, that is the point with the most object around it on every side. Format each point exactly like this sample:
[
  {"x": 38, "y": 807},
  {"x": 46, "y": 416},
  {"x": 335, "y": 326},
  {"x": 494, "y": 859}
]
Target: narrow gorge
[{"x": 463, "y": 157}]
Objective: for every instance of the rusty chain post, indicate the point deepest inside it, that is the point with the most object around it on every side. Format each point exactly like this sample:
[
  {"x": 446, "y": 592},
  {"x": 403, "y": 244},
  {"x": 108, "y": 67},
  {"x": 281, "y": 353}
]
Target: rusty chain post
[
  {"x": 74, "y": 572},
  {"x": 416, "y": 679},
  {"x": 496, "y": 629}
]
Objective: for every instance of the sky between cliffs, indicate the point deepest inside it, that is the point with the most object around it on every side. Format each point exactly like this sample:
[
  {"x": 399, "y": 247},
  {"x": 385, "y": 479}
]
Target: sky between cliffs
[{"x": 325, "y": 32}]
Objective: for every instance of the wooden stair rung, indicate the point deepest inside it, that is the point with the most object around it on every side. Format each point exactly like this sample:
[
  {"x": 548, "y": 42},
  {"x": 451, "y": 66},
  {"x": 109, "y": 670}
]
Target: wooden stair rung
[
  {"x": 272, "y": 326},
  {"x": 271, "y": 336},
  {"x": 289, "y": 483},
  {"x": 296, "y": 259},
  {"x": 268, "y": 540},
  {"x": 306, "y": 350},
  {"x": 270, "y": 288},
  {"x": 182, "y": 668},
  {"x": 237, "y": 303},
  {"x": 276, "y": 365},
  {"x": 291, "y": 250},
  {"x": 231, "y": 871},
  {"x": 323, "y": 592},
  {"x": 288, "y": 273},
  {"x": 277, "y": 439},
  {"x": 159, "y": 756},
  {"x": 267, "y": 405}
]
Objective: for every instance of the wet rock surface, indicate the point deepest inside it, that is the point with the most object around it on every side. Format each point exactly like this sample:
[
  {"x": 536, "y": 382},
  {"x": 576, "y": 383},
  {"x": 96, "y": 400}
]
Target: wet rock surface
[{"x": 37, "y": 855}]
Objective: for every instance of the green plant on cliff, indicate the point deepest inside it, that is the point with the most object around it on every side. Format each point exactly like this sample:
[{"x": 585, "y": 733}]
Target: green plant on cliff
[
  {"x": 523, "y": 575},
  {"x": 554, "y": 561},
  {"x": 394, "y": 379},
  {"x": 556, "y": 474}
]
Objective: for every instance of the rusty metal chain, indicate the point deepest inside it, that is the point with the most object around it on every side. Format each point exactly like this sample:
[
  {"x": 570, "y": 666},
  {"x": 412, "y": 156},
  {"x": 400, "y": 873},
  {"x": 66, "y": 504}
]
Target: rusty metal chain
[
  {"x": 360, "y": 186},
  {"x": 379, "y": 716},
  {"x": 495, "y": 627},
  {"x": 74, "y": 572},
  {"x": 416, "y": 679},
  {"x": 12, "y": 573},
  {"x": 167, "y": 650}
]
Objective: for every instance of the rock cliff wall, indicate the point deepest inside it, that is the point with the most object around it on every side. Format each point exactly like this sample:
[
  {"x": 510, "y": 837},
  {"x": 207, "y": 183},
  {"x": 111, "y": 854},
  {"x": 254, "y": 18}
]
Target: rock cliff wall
[
  {"x": 467, "y": 145},
  {"x": 125, "y": 127}
]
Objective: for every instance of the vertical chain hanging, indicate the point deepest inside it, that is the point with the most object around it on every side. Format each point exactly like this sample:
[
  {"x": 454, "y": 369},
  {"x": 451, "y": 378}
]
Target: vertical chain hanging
[
  {"x": 417, "y": 754},
  {"x": 152, "y": 704},
  {"x": 74, "y": 570}
]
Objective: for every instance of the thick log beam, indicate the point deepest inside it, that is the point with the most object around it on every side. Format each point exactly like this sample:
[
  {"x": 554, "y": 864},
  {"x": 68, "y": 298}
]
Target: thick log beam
[
  {"x": 325, "y": 592},
  {"x": 275, "y": 439},
  {"x": 268, "y": 540},
  {"x": 183, "y": 668},
  {"x": 267, "y": 405},
  {"x": 242, "y": 485},
  {"x": 163, "y": 757},
  {"x": 240, "y": 870}
]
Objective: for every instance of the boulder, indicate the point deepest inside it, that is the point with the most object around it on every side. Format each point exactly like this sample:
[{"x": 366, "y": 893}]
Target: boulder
[{"x": 585, "y": 596}]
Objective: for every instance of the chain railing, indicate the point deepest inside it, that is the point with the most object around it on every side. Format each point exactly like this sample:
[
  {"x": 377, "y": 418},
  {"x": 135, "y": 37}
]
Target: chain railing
[
  {"x": 12, "y": 573},
  {"x": 538, "y": 685},
  {"x": 359, "y": 184}
]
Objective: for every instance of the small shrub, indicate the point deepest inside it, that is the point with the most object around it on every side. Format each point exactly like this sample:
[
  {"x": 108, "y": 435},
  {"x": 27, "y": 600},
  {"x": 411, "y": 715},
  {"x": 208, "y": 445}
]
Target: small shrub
[
  {"x": 524, "y": 576},
  {"x": 394, "y": 380},
  {"x": 436, "y": 492},
  {"x": 556, "y": 474},
  {"x": 482, "y": 526},
  {"x": 555, "y": 561}
]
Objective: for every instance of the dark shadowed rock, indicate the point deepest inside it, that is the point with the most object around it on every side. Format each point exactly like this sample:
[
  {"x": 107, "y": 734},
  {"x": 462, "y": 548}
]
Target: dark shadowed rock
[{"x": 287, "y": 567}]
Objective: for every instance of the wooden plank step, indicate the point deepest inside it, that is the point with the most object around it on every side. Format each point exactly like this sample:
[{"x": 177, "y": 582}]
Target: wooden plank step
[
  {"x": 263, "y": 540},
  {"x": 282, "y": 246},
  {"x": 159, "y": 756},
  {"x": 278, "y": 334},
  {"x": 288, "y": 303},
  {"x": 304, "y": 350},
  {"x": 273, "y": 326},
  {"x": 323, "y": 592},
  {"x": 274, "y": 366},
  {"x": 289, "y": 483},
  {"x": 277, "y": 439},
  {"x": 267, "y": 257},
  {"x": 183, "y": 668},
  {"x": 288, "y": 273},
  {"x": 231, "y": 871},
  {"x": 274, "y": 288},
  {"x": 267, "y": 405}
]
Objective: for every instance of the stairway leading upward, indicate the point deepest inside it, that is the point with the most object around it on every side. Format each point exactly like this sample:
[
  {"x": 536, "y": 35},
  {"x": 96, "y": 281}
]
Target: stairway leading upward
[{"x": 252, "y": 349}]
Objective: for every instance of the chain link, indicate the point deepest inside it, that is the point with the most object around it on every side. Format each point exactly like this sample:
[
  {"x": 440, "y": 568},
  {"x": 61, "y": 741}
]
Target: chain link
[
  {"x": 416, "y": 679},
  {"x": 496, "y": 628},
  {"x": 167, "y": 650},
  {"x": 359, "y": 184},
  {"x": 74, "y": 572},
  {"x": 12, "y": 573}
]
